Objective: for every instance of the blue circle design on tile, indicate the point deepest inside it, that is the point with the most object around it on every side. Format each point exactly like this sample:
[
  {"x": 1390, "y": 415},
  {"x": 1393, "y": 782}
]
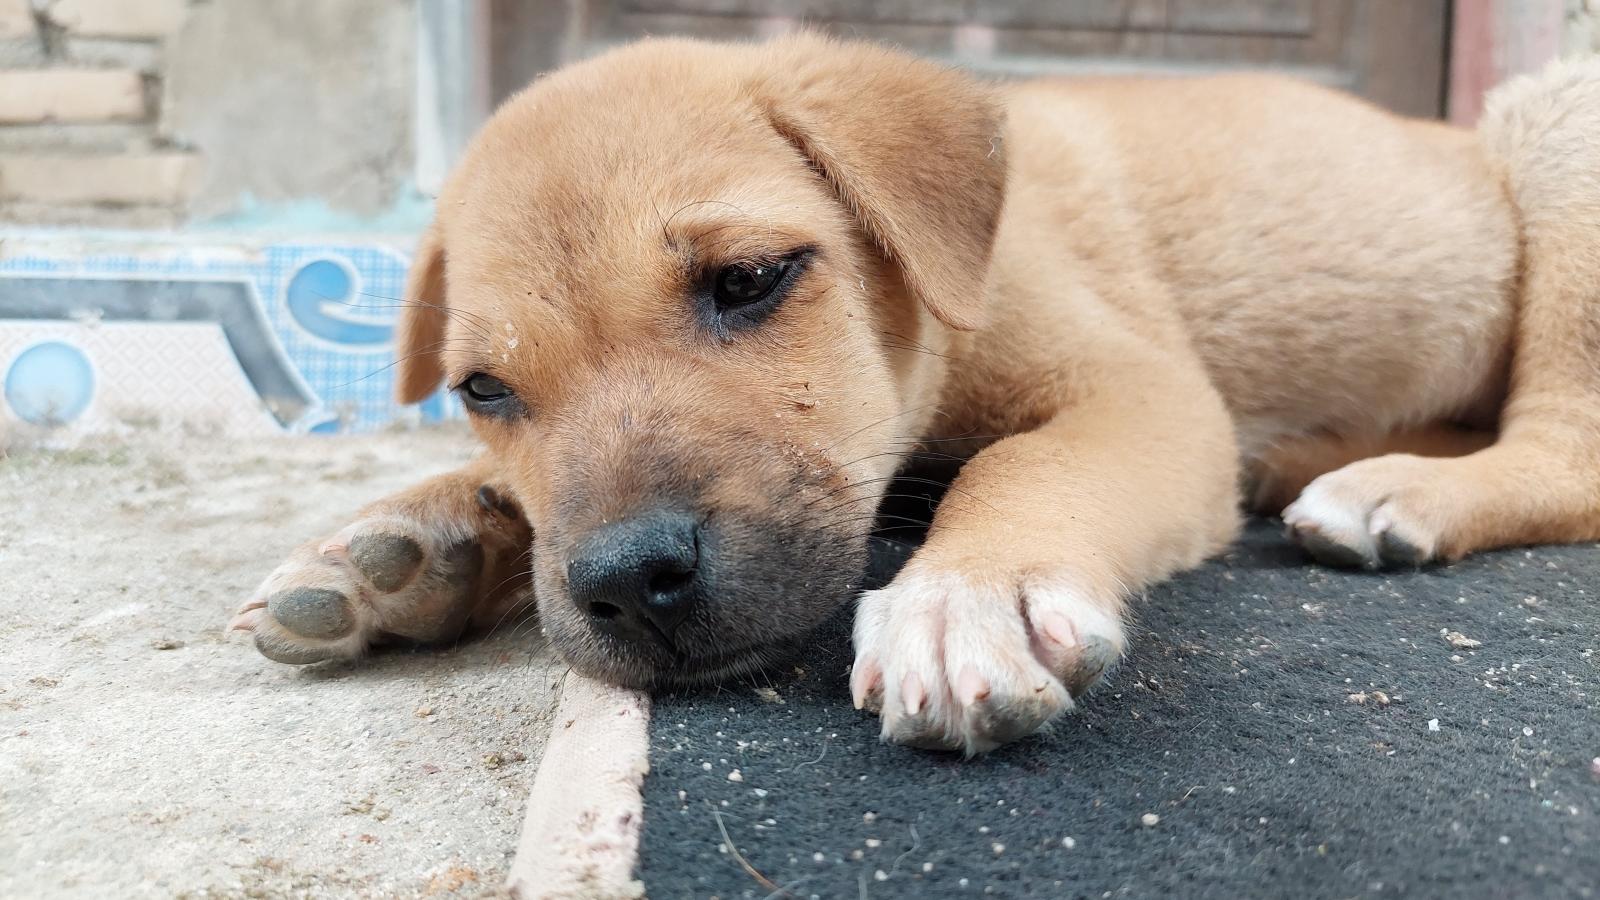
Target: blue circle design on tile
[
  {"x": 321, "y": 295},
  {"x": 50, "y": 384}
]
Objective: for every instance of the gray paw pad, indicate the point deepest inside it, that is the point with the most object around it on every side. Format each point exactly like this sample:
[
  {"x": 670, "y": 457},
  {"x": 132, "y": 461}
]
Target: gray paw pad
[
  {"x": 1399, "y": 551},
  {"x": 1096, "y": 656},
  {"x": 1332, "y": 553},
  {"x": 310, "y": 612},
  {"x": 290, "y": 654},
  {"x": 388, "y": 560}
]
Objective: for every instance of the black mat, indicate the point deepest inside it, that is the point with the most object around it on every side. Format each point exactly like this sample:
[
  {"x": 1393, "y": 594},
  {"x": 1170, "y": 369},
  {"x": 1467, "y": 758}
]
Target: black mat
[{"x": 1232, "y": 721}]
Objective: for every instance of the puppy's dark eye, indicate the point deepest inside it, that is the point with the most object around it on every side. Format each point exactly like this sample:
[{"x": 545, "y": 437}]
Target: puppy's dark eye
[
  {"x": 487, "y": 395},
  {"x": 485, "y": 388},
  {"x": 748, "y": 282}
]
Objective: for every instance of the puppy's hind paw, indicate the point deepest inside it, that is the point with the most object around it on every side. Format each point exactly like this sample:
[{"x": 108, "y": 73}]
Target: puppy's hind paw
[
  {"x": 1377, "y": 513},
  {"x": 388, "y": 576}
]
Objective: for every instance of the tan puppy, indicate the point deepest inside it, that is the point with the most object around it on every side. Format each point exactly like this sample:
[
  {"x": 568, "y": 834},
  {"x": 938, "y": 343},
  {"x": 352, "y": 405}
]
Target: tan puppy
[{"x": 703, "y": 300}]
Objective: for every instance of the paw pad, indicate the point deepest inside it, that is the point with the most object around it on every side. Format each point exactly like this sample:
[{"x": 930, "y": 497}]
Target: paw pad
[
  {"x": 1093, "y": 659},
  {"x": 388, "y": 560},
  {"x": 311, "y": 612}
]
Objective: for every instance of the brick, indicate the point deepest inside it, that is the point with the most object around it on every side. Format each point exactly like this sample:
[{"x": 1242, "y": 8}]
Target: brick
[
  {"x": 16, "y": 19},
  {"x": 155, "y": 179},
  {"x": 70, "y": 95},
  {"x": 136, "y": 19}
]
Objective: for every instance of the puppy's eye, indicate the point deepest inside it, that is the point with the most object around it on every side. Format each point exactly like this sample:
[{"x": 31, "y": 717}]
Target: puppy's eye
[
  {"x": 487, "y": 395},
  {"x": 746, "y": 283},
  {"x": 485, "y": 388}
]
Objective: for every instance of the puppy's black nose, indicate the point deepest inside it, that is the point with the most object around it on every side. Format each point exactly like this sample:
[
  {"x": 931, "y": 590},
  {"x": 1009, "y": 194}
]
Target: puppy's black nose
[{"x": 636, "y": 578}]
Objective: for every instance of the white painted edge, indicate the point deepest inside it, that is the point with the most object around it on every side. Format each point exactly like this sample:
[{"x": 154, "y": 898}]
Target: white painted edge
[{"x": 580, "y": 837}]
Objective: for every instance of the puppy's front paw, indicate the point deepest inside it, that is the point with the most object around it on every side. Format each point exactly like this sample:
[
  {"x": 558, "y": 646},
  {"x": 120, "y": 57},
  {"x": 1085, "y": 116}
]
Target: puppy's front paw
[
  {"x": 385, "y": 575},
  {"x": 969, "y": 661}
]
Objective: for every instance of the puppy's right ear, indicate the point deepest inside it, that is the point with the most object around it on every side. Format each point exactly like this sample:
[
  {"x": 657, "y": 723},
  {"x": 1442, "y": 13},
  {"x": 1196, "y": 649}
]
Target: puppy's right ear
[
  {"x": 912, "y": 149},
  {"x": 419, "y": 338}
]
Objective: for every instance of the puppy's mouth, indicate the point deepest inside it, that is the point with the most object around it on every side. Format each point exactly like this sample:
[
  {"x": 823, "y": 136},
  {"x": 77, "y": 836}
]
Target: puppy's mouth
[
  {"x": 709, "y": 655},
  {"x": 720, "y": 645},
  {"x": 672, "y": 598}
]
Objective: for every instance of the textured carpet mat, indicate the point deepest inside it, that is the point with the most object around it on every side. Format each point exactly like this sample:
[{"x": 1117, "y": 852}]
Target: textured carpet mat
[{"x": 1278, "y": 730}]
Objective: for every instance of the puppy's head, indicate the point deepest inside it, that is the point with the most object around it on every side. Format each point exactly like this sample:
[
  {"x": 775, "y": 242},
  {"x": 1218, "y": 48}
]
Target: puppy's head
[{"x": 685, "y": 292}]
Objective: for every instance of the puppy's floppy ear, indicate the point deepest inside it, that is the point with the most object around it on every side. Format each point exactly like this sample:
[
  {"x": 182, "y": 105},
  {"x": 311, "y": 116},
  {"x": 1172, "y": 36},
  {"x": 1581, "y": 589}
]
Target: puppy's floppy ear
[
  {"x": 912, "y": 149},
  {"x": 420, "y": 335}
]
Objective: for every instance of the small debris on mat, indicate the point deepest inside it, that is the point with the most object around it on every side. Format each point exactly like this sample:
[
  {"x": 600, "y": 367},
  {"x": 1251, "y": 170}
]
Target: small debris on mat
[
  {"x": 1460, "y": 641},
  {"x": 424, "y": 711},
  {"x": 1360, "y": 698},
  {"x": 1433, "y": 724},
  {"x": 165, "y": 644},
  {"x": 735, "y": 775},
  {"x": 1068, "y": 843},
  {"x": 768, "y": 695},
  {"x": 1594, "y": 767},
  {"x": 1150, "y": 820}
]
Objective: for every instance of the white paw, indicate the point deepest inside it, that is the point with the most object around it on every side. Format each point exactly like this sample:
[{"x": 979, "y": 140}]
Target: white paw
[
  {"x": 1369, "y": 514},
  {"x": 970, "y": 661}
]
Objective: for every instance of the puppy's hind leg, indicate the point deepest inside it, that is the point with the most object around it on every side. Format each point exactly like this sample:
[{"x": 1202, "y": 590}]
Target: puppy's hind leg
[
  {"x": 1540, "y": 481},
  {"x": 422, "y": 565}
]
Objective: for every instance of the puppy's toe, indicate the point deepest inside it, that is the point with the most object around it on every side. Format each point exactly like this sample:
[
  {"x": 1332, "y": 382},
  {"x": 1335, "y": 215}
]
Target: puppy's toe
[{"x": 1076, "y": 635}]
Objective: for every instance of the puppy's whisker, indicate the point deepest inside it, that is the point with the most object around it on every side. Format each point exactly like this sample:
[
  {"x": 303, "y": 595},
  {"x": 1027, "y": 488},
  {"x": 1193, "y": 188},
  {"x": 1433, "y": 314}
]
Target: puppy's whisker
[
  {"x": 516, "y": 609},
  {"x": 883, "y": 421},
  {"x": 421, "y": 351},
  {"x": 923, "y": 350},
  {"x": 473, "y": 320}
]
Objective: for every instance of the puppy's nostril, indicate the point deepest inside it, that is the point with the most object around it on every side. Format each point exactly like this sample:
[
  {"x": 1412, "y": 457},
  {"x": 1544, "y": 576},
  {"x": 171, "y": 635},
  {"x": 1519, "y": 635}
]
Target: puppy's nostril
[
  {"x": 605, "y": 611},
  {"x": 663, "y": 584}
]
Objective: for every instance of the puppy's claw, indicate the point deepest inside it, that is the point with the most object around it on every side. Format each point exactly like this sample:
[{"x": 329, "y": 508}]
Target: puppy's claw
[
  {"x": 864, "y": 677},
  {"x": 247, "y": 616},
  {"x": 1058, "y": 628},
  {"x": 911, "y": 694},
  {"x": 971, "y": 687}
]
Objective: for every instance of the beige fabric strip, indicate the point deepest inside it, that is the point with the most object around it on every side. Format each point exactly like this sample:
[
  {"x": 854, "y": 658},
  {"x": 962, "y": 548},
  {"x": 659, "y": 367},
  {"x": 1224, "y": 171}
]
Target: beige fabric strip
[{"x": 580, "y": 838}]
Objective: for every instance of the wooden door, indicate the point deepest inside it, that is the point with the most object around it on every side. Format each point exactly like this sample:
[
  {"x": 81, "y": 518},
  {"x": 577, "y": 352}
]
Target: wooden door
[{"x": 1391, "y": 51}]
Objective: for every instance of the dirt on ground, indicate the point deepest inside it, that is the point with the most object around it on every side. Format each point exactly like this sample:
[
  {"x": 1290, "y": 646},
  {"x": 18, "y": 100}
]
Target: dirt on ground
[{"x": 143, "y": 752}]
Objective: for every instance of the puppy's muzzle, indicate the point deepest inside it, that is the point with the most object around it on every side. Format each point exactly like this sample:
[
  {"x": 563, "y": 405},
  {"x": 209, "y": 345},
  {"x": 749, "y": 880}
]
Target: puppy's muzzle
[{"x": 639, "y": 579}]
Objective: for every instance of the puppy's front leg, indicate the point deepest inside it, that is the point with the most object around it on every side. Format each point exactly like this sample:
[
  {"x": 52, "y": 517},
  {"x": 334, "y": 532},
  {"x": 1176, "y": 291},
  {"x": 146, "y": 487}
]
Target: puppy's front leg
[
  {"x": 421, "y": 565},
  {"x": 1015, "y": 605}
]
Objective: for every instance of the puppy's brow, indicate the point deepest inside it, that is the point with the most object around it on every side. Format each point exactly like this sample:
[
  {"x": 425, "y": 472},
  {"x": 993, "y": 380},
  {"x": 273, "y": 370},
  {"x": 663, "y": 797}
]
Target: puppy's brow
[{"x": 721, "y": 240}]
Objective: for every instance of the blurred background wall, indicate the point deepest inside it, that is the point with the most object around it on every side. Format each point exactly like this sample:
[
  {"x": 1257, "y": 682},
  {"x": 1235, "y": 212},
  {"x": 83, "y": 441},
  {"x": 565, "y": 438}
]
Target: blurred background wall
[
  {"x": 343, "y": 114},
  {"x": 225, "y": 192}
]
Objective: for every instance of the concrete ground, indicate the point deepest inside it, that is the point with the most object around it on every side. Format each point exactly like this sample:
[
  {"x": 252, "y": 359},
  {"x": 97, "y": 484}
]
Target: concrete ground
[{"x": 143, "y": 753}]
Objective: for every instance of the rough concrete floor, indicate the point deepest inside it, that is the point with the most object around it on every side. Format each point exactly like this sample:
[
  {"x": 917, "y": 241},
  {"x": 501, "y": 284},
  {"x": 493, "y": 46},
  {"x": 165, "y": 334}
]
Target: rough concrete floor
[{"x": 142, "y": 753}]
